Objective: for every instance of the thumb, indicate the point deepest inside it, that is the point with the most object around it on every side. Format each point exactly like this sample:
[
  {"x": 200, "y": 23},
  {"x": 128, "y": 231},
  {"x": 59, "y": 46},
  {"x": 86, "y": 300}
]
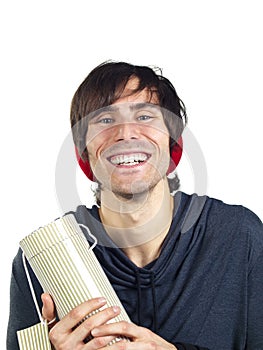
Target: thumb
[{"x": 48, "y": 309}]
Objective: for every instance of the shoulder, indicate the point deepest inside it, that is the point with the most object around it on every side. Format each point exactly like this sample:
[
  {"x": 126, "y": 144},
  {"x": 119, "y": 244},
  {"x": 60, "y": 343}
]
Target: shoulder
[
  {"x": 252, "y": 229},
  {"x": 220, "y": 211},
  {"x": 238, "y": 216},
  {"x": 235, "y": 224},
  {"x": 17, "y": 267}
]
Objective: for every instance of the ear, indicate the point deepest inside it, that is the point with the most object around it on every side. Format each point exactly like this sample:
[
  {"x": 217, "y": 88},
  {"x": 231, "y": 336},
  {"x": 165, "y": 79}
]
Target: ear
[
  {"x": 84, "y": 165},
  {"x": 176, "y": 154}
]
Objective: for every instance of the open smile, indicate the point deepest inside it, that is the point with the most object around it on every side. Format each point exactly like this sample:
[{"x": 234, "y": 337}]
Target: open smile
[{"x": 129, "y": 160}]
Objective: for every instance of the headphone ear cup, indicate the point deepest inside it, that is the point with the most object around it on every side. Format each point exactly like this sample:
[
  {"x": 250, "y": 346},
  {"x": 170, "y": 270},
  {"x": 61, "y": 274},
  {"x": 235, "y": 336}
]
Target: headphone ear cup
[
  {"x": 176, "y": 154},
  {"x": 84, "y": 165}
]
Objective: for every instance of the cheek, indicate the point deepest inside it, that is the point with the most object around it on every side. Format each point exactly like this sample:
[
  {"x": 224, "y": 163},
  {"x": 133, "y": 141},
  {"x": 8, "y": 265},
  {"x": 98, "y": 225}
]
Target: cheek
[
  {"x": 163, "y": 142},
  {"x": 159, "y": 134},
  {"x": 162, "y": 139},
  {"x": 95, "y": 141},
  {"x": 93, "y": 148}
]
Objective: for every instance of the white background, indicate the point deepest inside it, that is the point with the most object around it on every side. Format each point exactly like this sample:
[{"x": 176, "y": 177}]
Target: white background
[{"x": 210, "y": 50}]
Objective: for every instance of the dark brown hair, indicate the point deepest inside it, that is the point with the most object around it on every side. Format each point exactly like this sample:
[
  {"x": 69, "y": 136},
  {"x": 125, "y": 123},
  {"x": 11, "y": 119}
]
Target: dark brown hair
[{"x": 105, "y": 84}]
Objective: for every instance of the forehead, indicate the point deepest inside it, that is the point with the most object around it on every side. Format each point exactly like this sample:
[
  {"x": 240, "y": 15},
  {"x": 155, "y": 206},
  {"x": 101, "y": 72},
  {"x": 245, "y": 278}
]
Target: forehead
[{"x": 130, "y": 93}]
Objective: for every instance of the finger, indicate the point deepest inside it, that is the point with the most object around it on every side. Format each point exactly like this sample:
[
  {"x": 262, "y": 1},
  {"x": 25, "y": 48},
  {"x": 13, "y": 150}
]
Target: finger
[
  {"x": 142, "y": 345},
  {"x": 123, "y": 328},
  {"x": 48, "y": 309},
  {"x": 105, "y": 315},
  {"x": 98, "y": 343},
  {"x": 78, "y": 314}
]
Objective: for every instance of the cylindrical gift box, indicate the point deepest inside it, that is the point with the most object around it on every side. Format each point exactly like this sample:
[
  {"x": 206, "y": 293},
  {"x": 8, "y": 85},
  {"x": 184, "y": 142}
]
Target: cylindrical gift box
[{"x": 66, "y": 266}]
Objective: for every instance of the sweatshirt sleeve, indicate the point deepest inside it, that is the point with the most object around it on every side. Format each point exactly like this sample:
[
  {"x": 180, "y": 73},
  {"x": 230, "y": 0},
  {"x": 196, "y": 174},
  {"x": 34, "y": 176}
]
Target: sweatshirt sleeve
[
  {"x": 255, "y": 306},
  {"x": 23, "y": 312},
  {"x": 255, "y": 284},
  {"x": 184, "y": 346}
]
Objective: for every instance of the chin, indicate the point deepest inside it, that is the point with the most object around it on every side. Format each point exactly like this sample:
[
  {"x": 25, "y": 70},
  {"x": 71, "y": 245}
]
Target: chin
[
  {"x": 136, "y": 189},
  {"x": 132, "y": 185}
]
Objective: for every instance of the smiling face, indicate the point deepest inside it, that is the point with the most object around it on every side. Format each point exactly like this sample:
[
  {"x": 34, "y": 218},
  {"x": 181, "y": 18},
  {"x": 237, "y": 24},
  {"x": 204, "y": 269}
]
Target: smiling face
[{"x": 128, "y": 143}]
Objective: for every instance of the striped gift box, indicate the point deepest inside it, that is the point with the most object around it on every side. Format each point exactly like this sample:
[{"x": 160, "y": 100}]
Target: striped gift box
[
  {"x": 67, "y": 267},
  {"x": 34, "y": 338}
]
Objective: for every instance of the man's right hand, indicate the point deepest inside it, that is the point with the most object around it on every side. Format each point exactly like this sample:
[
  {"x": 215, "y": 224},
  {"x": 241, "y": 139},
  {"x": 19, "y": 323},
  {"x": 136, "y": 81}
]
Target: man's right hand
[{"x": 71, "y": 331}]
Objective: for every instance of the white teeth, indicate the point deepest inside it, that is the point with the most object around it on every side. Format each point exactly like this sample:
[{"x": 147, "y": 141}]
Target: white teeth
[{"x": 130, "y": 159}]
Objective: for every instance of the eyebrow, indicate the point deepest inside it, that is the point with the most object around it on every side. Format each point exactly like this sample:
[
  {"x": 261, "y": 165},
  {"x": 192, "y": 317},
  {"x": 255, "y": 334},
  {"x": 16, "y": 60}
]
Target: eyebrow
[
  {"x": 102, "y": 110},
  {"x": 142, "y": 105}
]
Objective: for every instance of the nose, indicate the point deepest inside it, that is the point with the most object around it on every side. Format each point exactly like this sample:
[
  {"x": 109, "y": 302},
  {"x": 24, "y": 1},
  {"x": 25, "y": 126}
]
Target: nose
[{"x": 125, "y": 131}]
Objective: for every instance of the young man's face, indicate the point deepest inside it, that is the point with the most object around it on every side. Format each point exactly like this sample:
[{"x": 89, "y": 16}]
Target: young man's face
[{"x": 128, "y": 143}]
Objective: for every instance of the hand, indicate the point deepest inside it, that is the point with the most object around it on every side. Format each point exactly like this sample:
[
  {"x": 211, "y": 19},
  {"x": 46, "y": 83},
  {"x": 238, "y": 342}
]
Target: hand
[
  {"x": 71, "y": 332},
  {"x": 141, "y": 338}
]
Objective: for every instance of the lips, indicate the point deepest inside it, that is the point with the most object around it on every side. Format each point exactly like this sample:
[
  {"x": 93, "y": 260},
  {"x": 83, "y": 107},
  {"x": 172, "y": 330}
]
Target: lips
[{"x": 128, "y": 160}]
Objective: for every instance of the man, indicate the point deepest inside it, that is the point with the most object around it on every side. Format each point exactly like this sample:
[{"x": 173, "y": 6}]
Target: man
[{"x": 187, "y": 269}]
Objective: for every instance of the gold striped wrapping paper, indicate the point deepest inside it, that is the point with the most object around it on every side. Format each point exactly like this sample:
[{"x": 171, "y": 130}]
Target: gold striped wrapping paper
[
  {"x": 34, "y": 338},
  {"x": 66, "y": 267}
]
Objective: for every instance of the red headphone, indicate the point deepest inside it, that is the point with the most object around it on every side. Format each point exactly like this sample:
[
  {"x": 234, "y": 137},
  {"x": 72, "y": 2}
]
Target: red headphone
[{"x": 176, "y": 154}]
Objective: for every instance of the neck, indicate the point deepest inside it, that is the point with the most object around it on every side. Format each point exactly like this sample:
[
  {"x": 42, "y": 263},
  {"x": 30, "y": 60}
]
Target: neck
[{"x": 138, "y": 225}]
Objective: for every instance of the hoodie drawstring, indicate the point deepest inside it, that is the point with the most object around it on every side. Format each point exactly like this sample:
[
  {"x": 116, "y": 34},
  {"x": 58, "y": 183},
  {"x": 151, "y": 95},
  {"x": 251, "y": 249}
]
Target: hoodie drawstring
[
  {"x": 139, "y": 299},
  {"x": 154, "y": 303}
]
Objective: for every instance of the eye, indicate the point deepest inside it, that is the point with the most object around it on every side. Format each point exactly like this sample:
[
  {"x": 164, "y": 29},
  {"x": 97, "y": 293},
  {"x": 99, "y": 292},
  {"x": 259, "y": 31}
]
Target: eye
[
  {"x": 144, "y": 117},
  {"x": 105, "y": 120}
]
